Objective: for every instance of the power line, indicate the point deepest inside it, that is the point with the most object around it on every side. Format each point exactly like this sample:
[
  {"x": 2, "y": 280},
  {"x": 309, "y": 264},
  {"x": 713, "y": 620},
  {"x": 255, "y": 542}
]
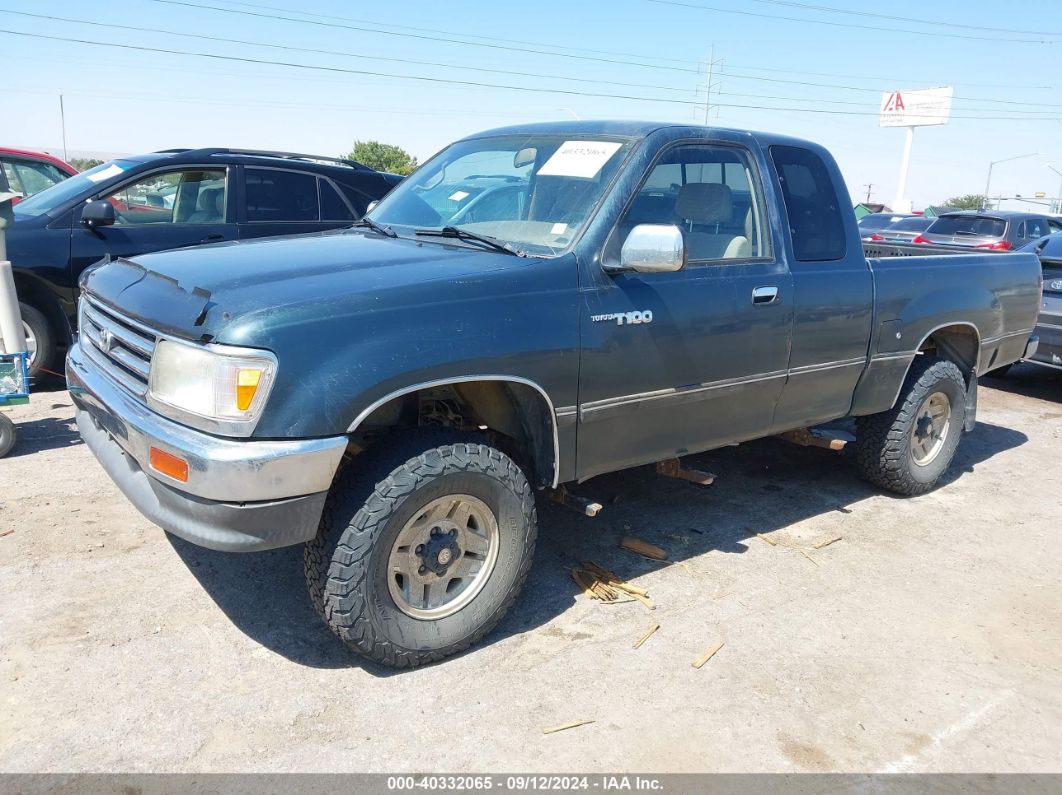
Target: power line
[
  {"x": 439, "y": 80},
  {"x": 292, "y": 48},
  {"x": 1046, "y": 113},
  {"x": 893, "y": 18},
  {"x": 422, "y": 37},
  {"x": 508, "y": 40},
  {"x": 881, "y": 79},
  {"x": 878, "y": 90},
  {"x": 850, "y": 25}
]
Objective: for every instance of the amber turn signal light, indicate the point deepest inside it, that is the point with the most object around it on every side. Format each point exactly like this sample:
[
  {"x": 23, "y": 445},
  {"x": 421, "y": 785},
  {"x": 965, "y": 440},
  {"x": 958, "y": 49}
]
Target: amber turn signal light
[{"x": 169, "y": 464}]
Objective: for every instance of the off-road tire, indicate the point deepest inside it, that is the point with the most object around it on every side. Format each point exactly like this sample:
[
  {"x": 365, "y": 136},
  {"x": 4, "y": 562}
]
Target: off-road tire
[
  {"x": 372, "y": 498},
  {"x": 883, "y": 441},
  {"x": 44, "y": 357}
]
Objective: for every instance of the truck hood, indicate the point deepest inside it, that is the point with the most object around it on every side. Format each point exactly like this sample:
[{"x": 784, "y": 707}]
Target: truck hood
[{"x": 195, "y": 293}]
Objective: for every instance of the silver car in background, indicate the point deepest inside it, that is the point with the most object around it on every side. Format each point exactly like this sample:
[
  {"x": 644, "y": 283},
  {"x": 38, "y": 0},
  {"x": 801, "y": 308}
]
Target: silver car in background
[{"x": 993, "y": 230}]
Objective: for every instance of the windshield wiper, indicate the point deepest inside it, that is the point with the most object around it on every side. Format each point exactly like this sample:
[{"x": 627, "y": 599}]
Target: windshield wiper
[
  {"x": 463, "y": 234},
  {"x": 368, "y": 223}
]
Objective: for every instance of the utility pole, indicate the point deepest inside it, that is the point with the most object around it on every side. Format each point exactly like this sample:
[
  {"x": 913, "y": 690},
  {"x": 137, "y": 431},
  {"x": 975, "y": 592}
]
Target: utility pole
[
  {"x": 712, "y": 63},
  {"x": 62, "y": 121},
  {"x": 901, "y": 204},
  {"x": 869, "y": 186}
]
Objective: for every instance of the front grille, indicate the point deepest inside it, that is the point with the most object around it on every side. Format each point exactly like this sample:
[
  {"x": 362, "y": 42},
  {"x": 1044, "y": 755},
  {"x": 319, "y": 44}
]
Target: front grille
[{"x": 121, "y": 347}]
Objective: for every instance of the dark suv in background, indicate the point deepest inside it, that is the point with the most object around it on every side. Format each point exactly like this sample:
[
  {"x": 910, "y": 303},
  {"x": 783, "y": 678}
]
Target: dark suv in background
[
  {"x": 995, "y": 230},
  {"x": 164, "y": 200}
]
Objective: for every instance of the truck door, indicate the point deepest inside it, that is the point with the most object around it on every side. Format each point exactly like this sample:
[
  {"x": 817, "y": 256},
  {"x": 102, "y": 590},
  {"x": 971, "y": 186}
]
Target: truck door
[
  {"x": 833, "y": 290},
  {"x": 686, "y": 361},
  {"x": 163, "y": 210}
]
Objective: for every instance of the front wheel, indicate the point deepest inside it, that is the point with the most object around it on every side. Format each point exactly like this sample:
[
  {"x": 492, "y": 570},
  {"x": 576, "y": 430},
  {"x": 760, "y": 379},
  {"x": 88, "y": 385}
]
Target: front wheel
[
  {"x": 907, "y": 448},
  {"x": 423, "y": 546},
  {"x": 8, "y": 435},
  {"x": 40, "y": 339}
]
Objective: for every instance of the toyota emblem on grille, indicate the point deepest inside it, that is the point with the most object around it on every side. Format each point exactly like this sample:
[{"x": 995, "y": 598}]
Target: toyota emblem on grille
[{"x": 106, "y": 340}]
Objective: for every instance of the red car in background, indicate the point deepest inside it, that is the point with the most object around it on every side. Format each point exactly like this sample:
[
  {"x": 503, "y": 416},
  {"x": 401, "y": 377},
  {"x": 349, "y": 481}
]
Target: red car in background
[{"x": 25, "y": 173}]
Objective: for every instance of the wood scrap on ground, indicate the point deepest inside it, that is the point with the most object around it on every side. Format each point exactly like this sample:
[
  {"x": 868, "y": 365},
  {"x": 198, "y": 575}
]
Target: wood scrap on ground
[
  {"x": 646, "y": 635},
  {"x": 643, "y": 548},
  {"x": 770, "y": 541},
  {"x": 827, "y": 541},
  {"x": 565, "y": 726},
  {"x": 709, "y": 654},
  {"x": 606, "y": 586}
]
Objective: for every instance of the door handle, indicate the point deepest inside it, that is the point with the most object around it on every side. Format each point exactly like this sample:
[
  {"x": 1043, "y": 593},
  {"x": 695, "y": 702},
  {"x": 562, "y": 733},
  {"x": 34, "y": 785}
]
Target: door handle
[
  {"x": 765, "y": 295},
  {"x": 214, "y": 238}
]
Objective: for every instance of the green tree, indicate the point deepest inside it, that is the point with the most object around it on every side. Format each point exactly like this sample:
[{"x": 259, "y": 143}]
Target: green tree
[
  {"x": 383, "y": 157},
  {"x": 85, "y": 163},
  {"x": 971, "y": 201}
]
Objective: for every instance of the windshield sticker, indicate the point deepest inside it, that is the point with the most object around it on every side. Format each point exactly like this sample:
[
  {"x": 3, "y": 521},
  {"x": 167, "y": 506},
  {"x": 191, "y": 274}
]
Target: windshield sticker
[
  {"x": 113, "y": 170},
  {"x": 579, "y": 159},
  {"x": 459, "y": 196},
  {"x": 558, "y": 229}
]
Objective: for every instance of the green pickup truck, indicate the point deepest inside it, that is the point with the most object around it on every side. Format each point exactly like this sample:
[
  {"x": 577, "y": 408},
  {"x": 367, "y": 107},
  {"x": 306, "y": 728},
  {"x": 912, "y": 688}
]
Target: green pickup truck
[{"x": 534, "y": 306}]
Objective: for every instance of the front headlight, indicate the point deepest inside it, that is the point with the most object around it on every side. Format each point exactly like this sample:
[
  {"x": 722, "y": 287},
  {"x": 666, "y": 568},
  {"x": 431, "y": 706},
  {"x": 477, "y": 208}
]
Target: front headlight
[{"x": 216, "y": 388}]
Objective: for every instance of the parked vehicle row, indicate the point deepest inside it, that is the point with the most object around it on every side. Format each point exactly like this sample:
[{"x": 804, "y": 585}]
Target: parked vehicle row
[
  {"x": 892, "y": 227},
  {"x": 996, "y": 230},
  {"x": 614, "y": 294},
  {"x": 1048, "y": 349},
  {"x": 165, "y": 200},
  {"x": 25, "y": 173}
]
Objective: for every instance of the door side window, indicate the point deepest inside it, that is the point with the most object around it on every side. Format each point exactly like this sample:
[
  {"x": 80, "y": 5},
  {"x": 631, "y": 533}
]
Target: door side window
[
  {"x": 194, "y": 196},
  {"x": 713, "y": 194},
  {"x": 38, "y": 176},
  {"x": 10, "y": 181},
  {"x": 811, "y": 204},
  {"x": 1036, "y": 227},
  {"x": 333, "y": 208},
  {"x": 281, "y": 196}
]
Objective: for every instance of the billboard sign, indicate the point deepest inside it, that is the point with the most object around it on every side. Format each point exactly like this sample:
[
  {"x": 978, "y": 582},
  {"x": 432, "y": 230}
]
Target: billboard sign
[{"x": 915, "y": 108}]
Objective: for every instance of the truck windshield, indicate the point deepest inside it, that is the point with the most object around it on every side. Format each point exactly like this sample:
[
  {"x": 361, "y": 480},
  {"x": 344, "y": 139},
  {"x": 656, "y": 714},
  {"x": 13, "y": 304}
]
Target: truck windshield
[
  {"x": 51, "y": 199},
  {"x": 535, "y": 192}
]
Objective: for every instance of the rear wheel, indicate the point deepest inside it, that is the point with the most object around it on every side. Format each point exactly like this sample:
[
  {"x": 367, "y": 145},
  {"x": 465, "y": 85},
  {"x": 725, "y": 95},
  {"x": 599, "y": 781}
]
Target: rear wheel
[
  {"x": 40, "y": 339},
  {"x": 423, "y": 546},
  {"x": 907, "y": 448}
]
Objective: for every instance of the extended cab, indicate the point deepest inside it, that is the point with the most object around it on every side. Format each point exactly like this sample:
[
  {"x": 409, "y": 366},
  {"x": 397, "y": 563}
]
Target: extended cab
[{"x": 392, "y": 395}]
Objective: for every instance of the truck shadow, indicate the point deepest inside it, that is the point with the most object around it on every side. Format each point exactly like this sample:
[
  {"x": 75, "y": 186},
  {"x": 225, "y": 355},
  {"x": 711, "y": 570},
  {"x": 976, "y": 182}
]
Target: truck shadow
[
  {"x": 762, "y": 486},
  {"x": 1028, "y": 380},
  {"x": 47, "y": 433}
]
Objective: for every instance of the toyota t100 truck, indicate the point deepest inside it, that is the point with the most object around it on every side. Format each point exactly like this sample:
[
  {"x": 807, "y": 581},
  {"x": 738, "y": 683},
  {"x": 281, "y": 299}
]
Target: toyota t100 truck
[{"x": 534, "y": 306}]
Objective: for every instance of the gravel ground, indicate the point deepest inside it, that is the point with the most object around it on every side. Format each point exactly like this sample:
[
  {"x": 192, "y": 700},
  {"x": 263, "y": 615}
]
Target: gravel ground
[{"x": 927, "y": 639}]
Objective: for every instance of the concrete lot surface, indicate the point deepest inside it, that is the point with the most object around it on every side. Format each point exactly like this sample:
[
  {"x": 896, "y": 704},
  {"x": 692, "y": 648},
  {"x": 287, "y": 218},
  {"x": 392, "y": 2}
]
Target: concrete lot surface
[{"x": 929, "y": 638}]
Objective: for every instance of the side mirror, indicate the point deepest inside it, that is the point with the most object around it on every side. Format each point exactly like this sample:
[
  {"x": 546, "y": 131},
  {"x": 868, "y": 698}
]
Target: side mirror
[
  {"x": 653, "y": 248},
  {"x": 98, "y": 213}
]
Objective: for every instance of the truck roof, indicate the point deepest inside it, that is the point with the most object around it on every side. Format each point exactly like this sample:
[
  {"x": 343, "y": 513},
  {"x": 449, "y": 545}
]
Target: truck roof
[{"x": 628, "y": 129}]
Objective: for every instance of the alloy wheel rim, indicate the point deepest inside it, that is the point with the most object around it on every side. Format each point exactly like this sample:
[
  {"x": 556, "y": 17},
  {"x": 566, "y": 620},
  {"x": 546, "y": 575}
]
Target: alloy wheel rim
[
  {"x": 31, "y": 342},
  {"x": 931, "y": 428},
  {"x": 443, "y": 556}
]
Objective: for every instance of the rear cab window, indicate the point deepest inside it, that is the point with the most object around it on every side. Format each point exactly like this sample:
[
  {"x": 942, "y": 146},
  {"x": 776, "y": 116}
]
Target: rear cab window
[
  {"x": 815, "y": 221},
  {"x": 971, "y": 225}
]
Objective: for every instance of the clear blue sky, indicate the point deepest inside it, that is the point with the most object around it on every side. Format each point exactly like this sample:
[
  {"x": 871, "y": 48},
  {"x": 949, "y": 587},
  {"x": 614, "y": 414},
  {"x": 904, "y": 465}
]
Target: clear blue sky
[{"x": 126, "y": 100}]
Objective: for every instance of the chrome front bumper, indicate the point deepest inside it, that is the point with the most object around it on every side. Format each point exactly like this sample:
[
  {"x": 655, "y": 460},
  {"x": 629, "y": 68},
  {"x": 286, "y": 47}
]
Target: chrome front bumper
[{"x": 240, "y": 495}]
